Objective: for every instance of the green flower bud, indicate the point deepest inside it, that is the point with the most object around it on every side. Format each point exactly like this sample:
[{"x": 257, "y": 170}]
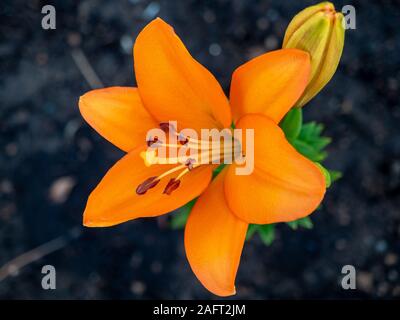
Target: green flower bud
[{"x": 319, "y": 30}]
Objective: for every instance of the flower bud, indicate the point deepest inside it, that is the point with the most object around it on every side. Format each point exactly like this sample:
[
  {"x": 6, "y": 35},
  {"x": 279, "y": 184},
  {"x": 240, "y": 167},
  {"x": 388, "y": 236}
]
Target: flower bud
[{"x": 319, "y": 30}]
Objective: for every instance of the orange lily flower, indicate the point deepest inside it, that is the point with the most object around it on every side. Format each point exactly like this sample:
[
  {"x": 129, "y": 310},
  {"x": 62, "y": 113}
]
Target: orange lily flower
[{"x": 284, "y": 185}]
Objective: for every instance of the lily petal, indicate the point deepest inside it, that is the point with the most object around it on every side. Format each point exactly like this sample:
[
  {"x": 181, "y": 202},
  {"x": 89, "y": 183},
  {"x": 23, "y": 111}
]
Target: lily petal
[
  {"x": 115, "y": 200},
  {"x": 270, "y": 84},
  {"x": 284, "y": 185},
  {"x": 214, "y": 239},
  {"x": 173, "y": 85},
  {"x": 117, "y": 113}
]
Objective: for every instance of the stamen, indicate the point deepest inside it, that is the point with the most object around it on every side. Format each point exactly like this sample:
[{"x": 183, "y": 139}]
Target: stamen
[
  {"x": 146, "y": 185},
  {"x": 186, "y": 171},
  {"x": 171, "y": 145},
  {"x": 152, "y": 141},
  {"x": 172, "y": 185},
  {"x": 211, "y": 152},
  {"x": 166, "y": 127},
  {"x": 171, "y": 171},
  {"x": 153, "y": 181},
  {"x": 195, "y": 146},
  {"x": 183, "y": 173},
  {"x": 189, "y": 163},
  {"x": 182, "y": 139}
]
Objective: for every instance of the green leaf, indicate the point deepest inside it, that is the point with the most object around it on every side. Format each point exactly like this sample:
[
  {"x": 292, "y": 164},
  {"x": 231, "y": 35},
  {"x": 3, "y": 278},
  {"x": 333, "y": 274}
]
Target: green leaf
[
  {"x": 306, "y": 223},
  {"x": 293, "y": 224},
  {"x": 311, "y": 134},
  {"x": 326, "y": 174},
  {"x": 292, "y": 123},
  {"x": 218, "y": 170},
  {"x": 310, "y": 131},
  {"x": 335, "y": 175},
  {"x": 320, "y": 142},
  {"x": 303, "y": 222},
  {"x": 308, "y": 150},
  {"x": 267, "y": 233},
  {"x": 251, "y": 230},
  {"x": 179, "y": 218},
  {"x": 310, "y": 143}
]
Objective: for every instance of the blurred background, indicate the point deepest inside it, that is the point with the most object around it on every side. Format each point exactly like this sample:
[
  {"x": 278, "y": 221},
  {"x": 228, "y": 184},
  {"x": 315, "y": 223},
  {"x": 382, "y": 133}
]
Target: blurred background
[{"x": 50, "y": 159}]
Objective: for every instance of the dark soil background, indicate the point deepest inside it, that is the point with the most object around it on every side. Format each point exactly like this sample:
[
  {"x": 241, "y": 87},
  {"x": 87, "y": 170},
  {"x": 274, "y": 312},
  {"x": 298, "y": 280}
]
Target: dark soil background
[{"x": 50, "y": 159}]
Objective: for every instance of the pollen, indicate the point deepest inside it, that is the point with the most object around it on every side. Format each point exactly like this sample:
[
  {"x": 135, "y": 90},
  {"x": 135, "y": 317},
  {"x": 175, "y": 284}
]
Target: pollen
[
  {"x": 172, "y": 185},
  {"x": 146, "y": 185}
]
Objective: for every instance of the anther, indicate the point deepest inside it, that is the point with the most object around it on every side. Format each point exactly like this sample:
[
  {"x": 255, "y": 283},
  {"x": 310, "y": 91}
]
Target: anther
[
  {"x": 172, "y": 185},
  {"x": 146, "y": 185},
  {"x": 152, "y": 141},
  {"x": 166, "y": 126},
  {"x": 189, "y": 163},
  {"x": 182, "y": 139}
]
